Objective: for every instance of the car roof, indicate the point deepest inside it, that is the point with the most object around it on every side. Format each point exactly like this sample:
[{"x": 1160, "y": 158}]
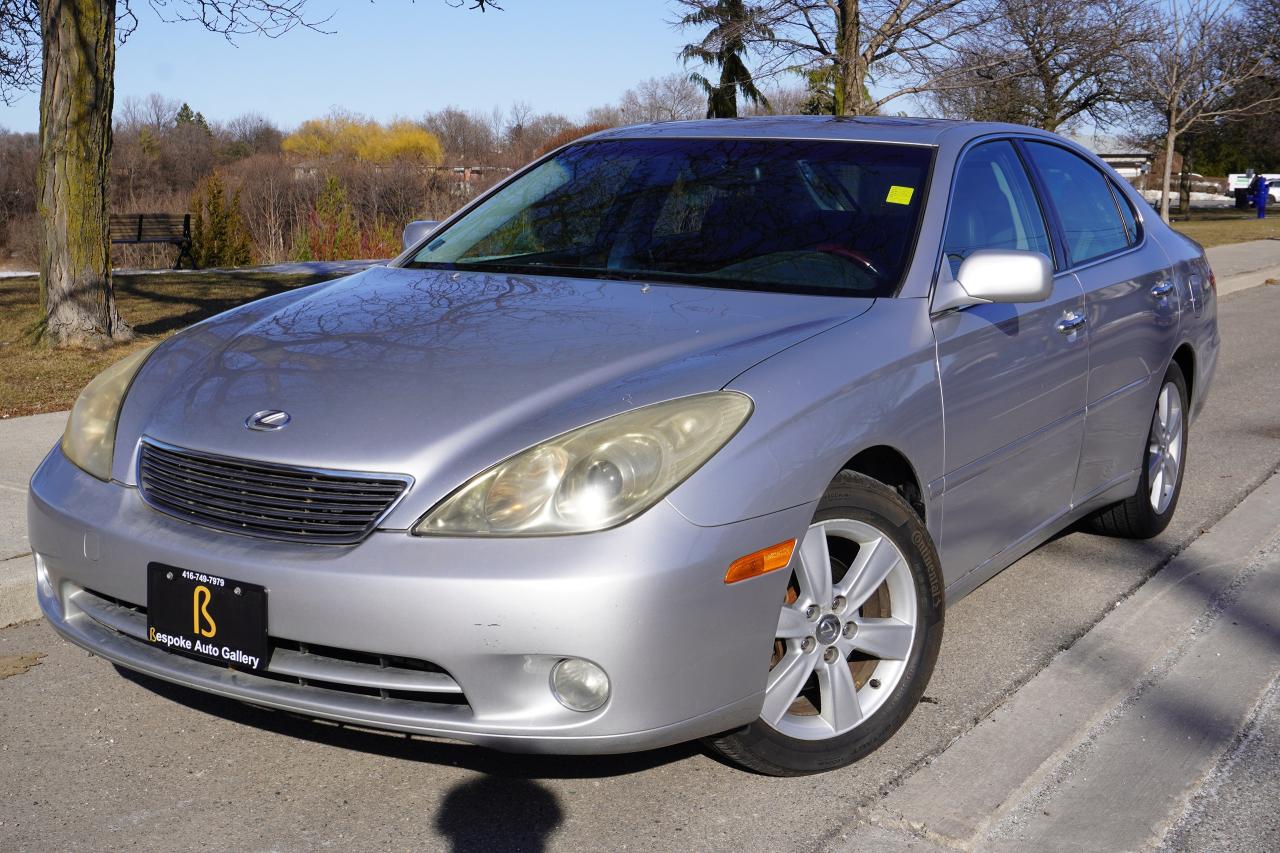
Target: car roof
[{"x": 914, "y": 131}]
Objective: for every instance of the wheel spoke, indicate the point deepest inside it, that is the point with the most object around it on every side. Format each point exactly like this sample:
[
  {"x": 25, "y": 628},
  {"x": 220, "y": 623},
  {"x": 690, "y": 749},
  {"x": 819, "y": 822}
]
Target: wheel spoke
[
  {"x": 1170, "y": 471},
  {"x": 838, "y": 696},
  {"x": 815, "y": 566},
  {"x": 1155, "y": 464},
  {"x": 873, "y": 564},
  {"x": 886, "y": 639},
  {"x": 793, "y": 624},
  {"x": 1162, "y": 407},
  {"x": 786, "y": 680},
  {"x": 1173, "y": 428}
]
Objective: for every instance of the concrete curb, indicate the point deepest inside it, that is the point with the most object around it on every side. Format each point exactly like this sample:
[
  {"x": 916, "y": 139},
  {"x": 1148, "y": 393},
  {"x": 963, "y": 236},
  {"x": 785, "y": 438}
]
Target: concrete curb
[
  {"x": 18, "y": 591},
  {"x": 1244, "y": 281},
  {"x": 1088, "y": 752}
]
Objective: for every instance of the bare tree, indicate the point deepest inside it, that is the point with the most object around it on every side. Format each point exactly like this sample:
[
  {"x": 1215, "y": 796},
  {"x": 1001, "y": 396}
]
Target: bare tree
[
  {"x": 468, "y": 138},
  {"x": 1048, "y": 63},
  {"x": 19, "y": 47},
  {"x": 850, "y": 44},
  {"x": 1202, "y": 60},
  {"x": 670, "y": 98},
  {"x": 77, "y": 67},
  {"x": 781, "y": 100}
]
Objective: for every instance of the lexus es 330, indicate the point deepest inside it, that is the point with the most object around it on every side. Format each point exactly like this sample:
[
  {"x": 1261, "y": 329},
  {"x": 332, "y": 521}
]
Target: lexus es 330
[{"x": 687, "y": 430}]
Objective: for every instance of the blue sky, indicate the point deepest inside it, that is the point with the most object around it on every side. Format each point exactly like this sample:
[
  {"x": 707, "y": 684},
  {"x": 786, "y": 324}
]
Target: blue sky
[{"x": 396, "y": 57}]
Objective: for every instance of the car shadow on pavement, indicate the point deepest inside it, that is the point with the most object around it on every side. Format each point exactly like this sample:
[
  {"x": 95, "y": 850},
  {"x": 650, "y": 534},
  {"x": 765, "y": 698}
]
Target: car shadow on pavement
[{"x": 509, "y": 766}]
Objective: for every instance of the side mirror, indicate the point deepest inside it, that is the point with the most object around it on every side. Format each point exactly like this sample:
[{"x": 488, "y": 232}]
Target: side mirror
[
  {"x": 416, "y": 230},
  {"x": 995, "y": 275}
]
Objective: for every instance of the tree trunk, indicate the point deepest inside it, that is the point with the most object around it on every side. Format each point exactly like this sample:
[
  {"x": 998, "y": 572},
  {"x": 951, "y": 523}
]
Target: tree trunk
[
  {"x": 1184, "y": 181},
  {"x": 1170, "y": 137},
  {"x": 724, "y": 103},
  {"x": 850, "y": 69},
  {"x": 75, "y": 148}
]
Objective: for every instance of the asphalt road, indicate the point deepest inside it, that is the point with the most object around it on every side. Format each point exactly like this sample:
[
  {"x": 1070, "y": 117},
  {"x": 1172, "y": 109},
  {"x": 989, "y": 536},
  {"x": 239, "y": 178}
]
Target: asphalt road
[{"x": 92, "y": 759}]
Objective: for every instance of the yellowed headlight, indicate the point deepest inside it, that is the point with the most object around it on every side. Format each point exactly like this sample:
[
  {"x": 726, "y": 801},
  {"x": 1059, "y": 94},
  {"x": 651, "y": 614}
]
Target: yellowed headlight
[
  {"x": 594, "y": 477},
  {"x": 89, "y": 440}
]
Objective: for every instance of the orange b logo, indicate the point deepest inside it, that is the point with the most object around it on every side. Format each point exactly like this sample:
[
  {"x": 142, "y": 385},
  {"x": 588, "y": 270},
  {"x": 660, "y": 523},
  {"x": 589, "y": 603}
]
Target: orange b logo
[{"x": 200, "y": 608}]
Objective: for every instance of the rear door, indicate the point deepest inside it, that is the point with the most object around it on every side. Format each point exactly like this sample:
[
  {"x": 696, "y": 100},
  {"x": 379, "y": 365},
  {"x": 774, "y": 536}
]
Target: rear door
[
  {"x": 1132, "y": 307},
  {"x": 1013, "y": 376}
]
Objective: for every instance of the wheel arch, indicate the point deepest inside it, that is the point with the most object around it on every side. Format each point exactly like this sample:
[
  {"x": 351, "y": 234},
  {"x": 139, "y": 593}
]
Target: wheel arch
[
  {"x": 888, "y": 465},
  {"x": 1185, "y": 357}
]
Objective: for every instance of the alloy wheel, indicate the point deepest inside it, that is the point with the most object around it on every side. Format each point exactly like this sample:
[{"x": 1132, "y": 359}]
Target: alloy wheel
[
  {"x": 845, "y": 632},
  {"x": 1164, "y": 448}
]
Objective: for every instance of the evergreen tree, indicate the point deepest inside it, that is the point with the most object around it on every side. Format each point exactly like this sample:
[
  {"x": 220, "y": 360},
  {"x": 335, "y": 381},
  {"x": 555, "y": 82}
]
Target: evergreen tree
[
  {"x": 189, "y": 118},
  {"x": 219, "y": 237},
  {"x": 331, "y": 233},
  {"x": 732, "y": 22}
]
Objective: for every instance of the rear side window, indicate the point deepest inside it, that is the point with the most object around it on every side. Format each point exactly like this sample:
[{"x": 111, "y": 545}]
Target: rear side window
[
  {"x": 1083, "y": 199},
  {"x": 993, "y": 206},
  {"x": 1127, "y": 214}
]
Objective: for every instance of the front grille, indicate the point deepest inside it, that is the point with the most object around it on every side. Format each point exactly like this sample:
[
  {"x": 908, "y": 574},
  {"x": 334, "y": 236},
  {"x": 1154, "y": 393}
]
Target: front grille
[{"x": 262, "y": 499}]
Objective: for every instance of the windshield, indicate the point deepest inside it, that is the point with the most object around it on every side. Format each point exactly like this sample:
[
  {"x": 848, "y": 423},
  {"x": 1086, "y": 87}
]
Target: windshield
[{"x": 795, "y": 216}]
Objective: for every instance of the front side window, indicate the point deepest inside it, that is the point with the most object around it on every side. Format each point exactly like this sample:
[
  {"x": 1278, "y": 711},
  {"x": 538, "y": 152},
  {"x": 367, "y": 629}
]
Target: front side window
[
  {"x": 993, "y": 206},
  {"x": 798, "y": 216},
  {"x": 1079, "y": 192}
]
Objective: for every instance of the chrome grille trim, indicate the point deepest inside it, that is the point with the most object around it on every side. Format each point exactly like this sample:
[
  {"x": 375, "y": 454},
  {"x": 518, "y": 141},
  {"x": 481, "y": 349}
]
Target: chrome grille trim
[{"x": 265, "y": 499}]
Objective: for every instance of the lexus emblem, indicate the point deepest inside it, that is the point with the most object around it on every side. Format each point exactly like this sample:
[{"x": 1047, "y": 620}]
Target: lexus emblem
[{"x": 267, "y": 420}]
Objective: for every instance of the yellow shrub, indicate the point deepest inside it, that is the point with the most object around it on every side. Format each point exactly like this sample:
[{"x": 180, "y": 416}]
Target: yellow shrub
[{"x": 349, "y": 138}]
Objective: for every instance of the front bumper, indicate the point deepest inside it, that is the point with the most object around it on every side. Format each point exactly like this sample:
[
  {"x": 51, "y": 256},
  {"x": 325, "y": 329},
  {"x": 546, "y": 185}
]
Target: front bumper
[{"x": 686, "y": 655}]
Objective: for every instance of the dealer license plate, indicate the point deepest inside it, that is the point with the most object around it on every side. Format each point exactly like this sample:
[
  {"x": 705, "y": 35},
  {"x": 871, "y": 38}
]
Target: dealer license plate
[{"x": 207, "y": 616}]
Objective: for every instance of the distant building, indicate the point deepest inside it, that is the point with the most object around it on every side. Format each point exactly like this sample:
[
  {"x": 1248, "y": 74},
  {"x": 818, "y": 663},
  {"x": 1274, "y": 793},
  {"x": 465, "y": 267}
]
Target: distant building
[
  {"x": 1129, "y": 164},
  {"x": 304, "y": 169},
  {"x": 468, "y": 180}
]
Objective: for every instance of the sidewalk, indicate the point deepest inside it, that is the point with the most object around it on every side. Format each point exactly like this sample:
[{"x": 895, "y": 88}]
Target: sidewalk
[
  {"x": 25, "y": 441},
  {"x": 298, "y": 267},
  {"x": 1240, "y": 265},
  {"x": 1126, "y": 740}
]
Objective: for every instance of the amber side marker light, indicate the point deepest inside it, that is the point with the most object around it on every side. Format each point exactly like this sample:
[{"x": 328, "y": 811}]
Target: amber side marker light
[{"x": 761, "y": 562}]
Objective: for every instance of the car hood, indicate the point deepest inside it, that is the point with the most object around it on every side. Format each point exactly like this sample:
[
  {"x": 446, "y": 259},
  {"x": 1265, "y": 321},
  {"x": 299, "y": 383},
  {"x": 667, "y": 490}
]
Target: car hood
[{"x": 439, "y": 374}]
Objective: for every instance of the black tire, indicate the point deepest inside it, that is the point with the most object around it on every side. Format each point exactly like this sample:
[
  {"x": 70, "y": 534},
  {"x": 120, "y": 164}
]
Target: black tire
[
  {"x": 762, "y": 748},
  {"x": 1136, "y": 518}
]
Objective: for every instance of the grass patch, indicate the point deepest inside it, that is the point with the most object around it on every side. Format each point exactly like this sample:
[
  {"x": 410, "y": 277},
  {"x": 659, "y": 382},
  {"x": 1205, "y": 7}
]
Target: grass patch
[
  {"x": 35, "y": 378},
  {"x": 1219, "y": 227}
]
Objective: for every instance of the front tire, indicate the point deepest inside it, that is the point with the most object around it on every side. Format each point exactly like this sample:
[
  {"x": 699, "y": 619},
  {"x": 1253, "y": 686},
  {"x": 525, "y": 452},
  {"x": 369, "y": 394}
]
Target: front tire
[
  {"x": 1150, "y": 510},
  {"x": 857, "y": 638}
]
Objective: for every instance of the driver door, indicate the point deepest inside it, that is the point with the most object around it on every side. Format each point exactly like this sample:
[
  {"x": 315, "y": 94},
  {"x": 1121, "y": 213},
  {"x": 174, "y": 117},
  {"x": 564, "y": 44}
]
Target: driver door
[{"x": 1013, "y": 375}]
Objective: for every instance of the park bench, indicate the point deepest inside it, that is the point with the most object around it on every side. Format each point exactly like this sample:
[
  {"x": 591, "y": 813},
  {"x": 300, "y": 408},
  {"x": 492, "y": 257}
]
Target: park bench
[{"x": 171, "y": 228}]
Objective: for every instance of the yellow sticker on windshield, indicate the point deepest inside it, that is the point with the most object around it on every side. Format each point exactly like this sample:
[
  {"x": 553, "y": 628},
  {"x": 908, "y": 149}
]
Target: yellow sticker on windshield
[{"x": 900, "y": 195}]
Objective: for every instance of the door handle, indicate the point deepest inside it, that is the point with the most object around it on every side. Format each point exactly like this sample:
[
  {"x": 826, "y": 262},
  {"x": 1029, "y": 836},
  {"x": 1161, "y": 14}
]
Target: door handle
[
  {"x": 1070, "y": 322},
  {"x": 1163, "y": 289}
]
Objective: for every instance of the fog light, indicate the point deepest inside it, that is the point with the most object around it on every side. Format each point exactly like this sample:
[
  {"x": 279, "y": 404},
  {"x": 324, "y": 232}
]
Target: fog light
[{"x": 579, "y": 685}]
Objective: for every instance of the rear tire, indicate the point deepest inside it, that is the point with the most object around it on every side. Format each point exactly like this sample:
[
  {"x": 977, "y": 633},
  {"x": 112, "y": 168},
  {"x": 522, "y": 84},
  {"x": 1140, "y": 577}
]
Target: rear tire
[
  {"x": 1164, "y": 455},
  {"x": 854, "y": 651}
]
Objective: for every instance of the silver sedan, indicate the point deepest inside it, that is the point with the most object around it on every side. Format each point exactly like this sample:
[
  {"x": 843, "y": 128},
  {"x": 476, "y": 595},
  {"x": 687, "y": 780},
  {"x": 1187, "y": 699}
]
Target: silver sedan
[{"x": 687, "y": 430}]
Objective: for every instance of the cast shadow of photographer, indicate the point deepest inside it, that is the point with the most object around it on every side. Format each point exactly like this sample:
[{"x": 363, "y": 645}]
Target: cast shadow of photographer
[{"x": 493, "y": 813}]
